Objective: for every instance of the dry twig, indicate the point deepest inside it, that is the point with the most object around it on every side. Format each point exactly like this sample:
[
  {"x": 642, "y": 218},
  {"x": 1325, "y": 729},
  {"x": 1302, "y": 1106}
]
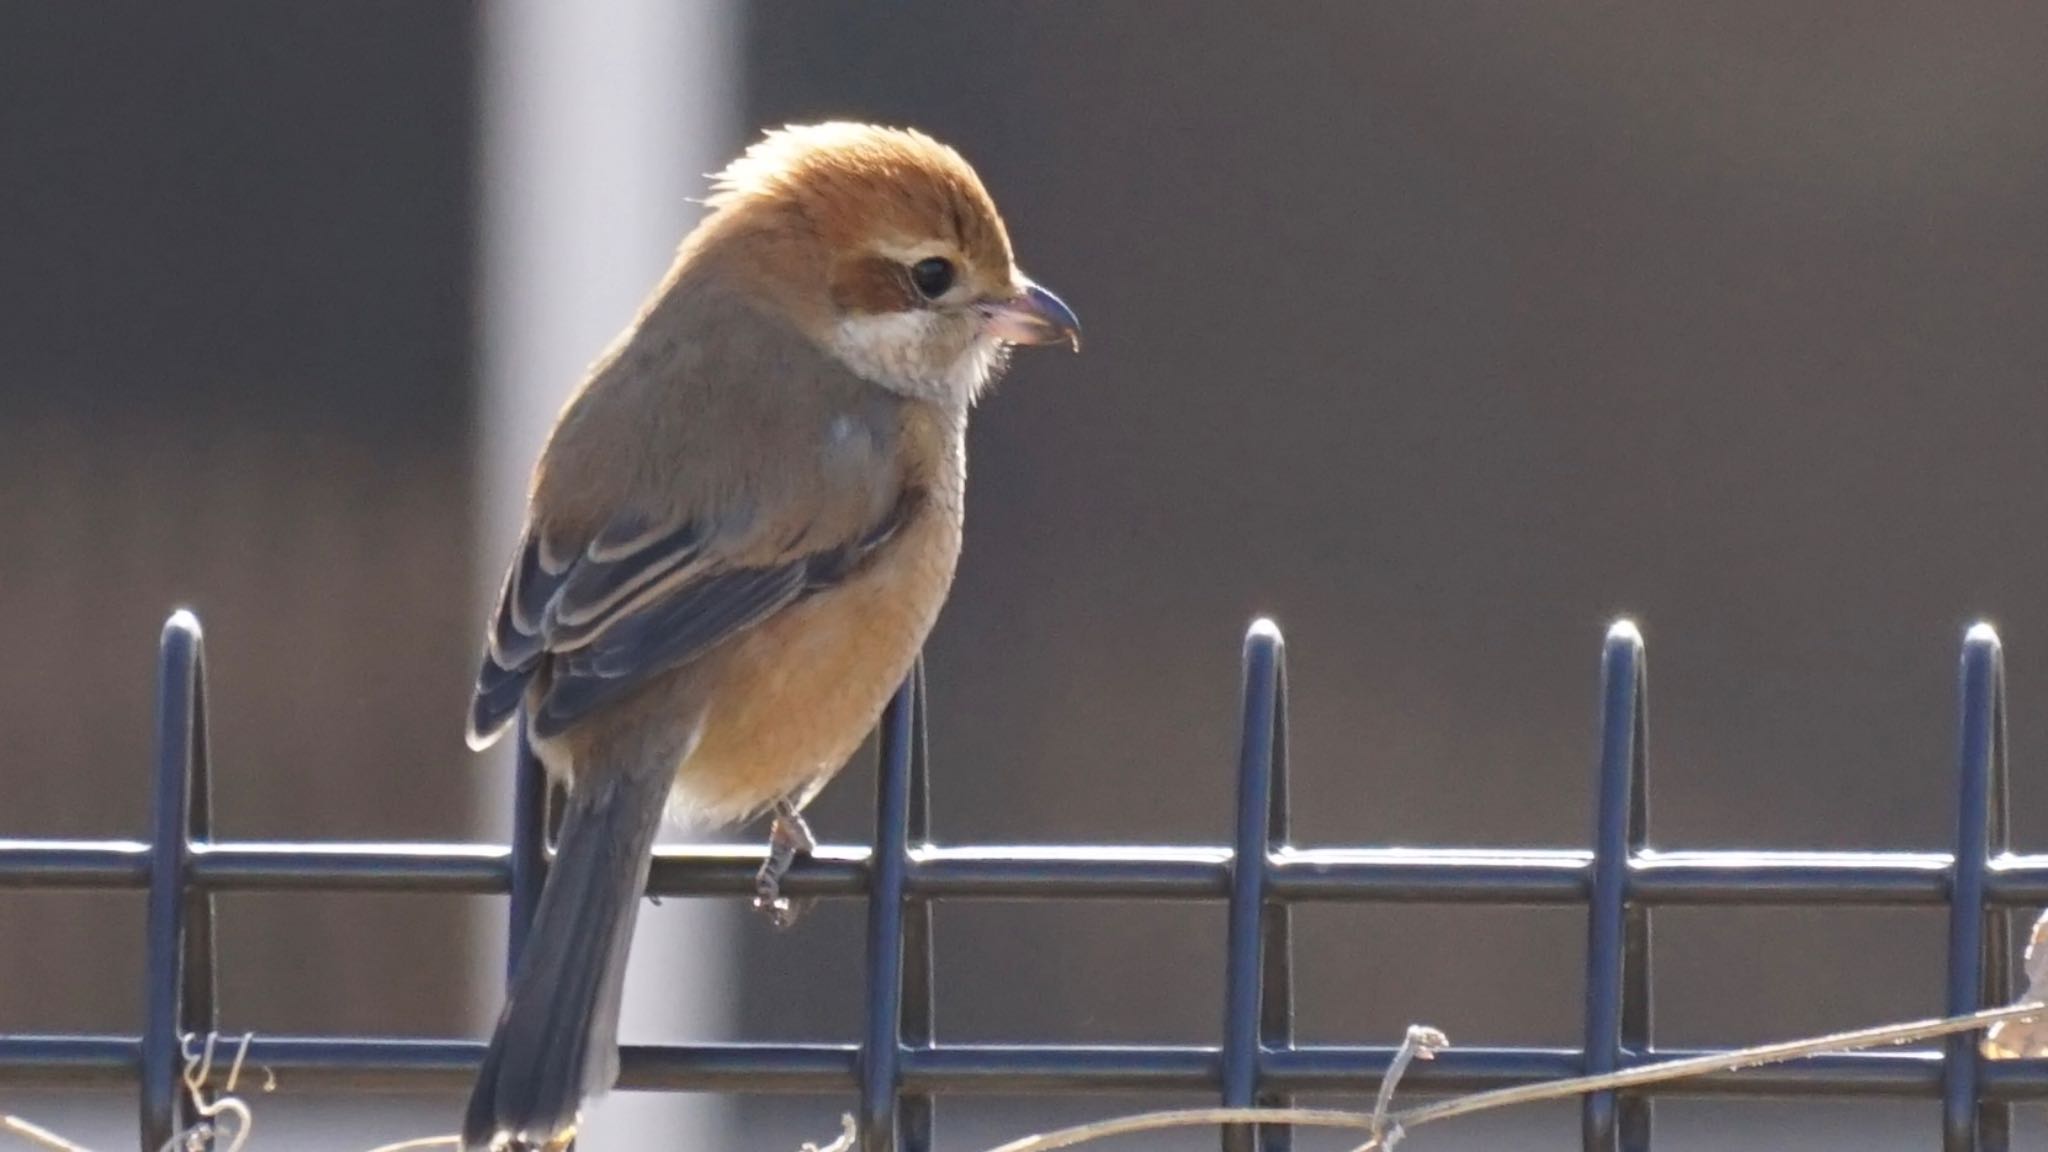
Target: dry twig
[
  {"x": 39, "y": 1136},
  {"x": 1381, "y": 1124},
  {"x": 848, "y": 1133}
]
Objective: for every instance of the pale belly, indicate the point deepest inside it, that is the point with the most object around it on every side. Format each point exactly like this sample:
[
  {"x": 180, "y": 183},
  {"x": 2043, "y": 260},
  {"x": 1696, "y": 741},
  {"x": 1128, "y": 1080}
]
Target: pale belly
[{"x": 798, "y": 694}]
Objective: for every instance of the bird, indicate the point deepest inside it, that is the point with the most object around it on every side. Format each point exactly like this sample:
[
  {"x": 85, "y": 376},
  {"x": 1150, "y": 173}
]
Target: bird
[{"x": 737, "y": 538}]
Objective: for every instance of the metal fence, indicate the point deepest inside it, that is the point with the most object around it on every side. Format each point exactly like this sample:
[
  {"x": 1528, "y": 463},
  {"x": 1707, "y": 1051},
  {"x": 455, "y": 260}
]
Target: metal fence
[{"x": 898, "y": 1068}]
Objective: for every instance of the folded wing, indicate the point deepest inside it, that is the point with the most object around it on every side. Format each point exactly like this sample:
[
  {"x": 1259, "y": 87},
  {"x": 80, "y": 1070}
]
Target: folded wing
[{"x": 594, "y": 621}]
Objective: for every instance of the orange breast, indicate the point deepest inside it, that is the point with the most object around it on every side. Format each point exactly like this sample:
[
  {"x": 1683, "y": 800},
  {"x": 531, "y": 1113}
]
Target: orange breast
[{"x": 798, "y": 694}]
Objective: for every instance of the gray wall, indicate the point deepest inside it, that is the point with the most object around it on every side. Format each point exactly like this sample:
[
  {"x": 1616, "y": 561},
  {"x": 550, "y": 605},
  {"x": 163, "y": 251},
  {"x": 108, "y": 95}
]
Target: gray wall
[
  {"x": 1445, "y": 333},
  {"x": 234, "y": 358}
]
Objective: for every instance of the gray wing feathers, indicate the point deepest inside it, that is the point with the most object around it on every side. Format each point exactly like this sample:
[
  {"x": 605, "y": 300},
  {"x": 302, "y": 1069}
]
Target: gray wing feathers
[
  {"x": 634, "y": 603},
  {"x": 550, "y": 606},
  {"x": 663, "y": 633}
]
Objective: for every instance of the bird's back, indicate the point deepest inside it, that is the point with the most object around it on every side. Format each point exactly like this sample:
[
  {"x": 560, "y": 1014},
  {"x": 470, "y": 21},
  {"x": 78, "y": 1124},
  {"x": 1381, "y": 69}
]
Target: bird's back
[{"x": 743, "y": 426}]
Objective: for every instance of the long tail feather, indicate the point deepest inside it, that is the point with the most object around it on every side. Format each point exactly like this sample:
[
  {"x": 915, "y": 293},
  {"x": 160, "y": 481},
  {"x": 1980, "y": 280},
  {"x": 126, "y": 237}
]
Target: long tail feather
[{"x": 556, "y": 1043}]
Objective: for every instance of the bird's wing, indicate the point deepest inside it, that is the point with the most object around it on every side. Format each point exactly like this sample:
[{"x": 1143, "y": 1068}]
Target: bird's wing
[{"x": 638, "y": 599}]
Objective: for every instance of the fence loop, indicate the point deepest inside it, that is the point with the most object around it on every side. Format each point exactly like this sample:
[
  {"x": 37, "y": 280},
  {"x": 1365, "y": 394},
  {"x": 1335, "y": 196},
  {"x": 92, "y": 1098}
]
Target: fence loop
[{"x": 178, "y": 980}]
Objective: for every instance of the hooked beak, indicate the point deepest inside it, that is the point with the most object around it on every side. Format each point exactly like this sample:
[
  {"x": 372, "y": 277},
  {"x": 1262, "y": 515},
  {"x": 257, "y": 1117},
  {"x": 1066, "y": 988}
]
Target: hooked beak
[{"x": 1032, "y": 316}]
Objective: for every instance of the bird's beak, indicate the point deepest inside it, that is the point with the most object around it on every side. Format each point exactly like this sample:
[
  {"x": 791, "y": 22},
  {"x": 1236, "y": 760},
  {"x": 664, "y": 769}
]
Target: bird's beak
[{"x": 1032, "y": 316}]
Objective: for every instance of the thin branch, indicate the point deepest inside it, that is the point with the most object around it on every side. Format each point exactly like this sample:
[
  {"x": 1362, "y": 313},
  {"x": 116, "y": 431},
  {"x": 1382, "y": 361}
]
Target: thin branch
[
  {"x": 1884, "y": 1035},
  {"x": 1889, "y": 1034},
  {"x": 422, "y": 1142},
  {"x": 1421, "y": 1043},
  {"x": 38, "y": 1135},
  {"x": 1187, "y": 1118},
  {"x": 848, "y": 1134}
]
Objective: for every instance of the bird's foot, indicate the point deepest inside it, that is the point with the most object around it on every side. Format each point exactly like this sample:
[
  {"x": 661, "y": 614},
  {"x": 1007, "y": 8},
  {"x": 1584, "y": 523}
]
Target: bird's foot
[{"x": 788, "y": 838}]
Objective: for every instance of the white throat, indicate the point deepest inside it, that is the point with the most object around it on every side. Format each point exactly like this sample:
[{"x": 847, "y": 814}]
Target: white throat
[{"x": 923, "y": 355}]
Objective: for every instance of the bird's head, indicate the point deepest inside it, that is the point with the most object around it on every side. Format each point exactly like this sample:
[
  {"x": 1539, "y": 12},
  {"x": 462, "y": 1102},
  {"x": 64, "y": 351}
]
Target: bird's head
[{"x": 883, "y": 246}]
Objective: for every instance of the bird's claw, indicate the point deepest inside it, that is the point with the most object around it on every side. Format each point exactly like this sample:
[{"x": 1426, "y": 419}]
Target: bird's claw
[{"x": 788, "y": 838}]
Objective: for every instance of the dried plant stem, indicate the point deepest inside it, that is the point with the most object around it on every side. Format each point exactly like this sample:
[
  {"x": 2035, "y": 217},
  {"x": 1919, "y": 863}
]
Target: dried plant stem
[
  {"x": 1421, "y": 1043},
  {"x": 1878, "y": 1037},
  {"x": 39, "y": 1136},
  {"x": 1187, "y": 1118},
  {"x": 422, "y": 1142},
  {"x": 849, "y": 1134},
  {"x": 1888, "y": 1034}
]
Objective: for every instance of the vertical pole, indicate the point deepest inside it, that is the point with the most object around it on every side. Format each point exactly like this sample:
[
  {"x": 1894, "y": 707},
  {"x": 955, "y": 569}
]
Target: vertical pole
[
  {"x": 919, "y": 994},
  {"x": 882, "y": 1042},
  {"x": 1243, "y": 1001},
  {"x": 1276, "y": 1005},
  {"x": 1618, "y": 935},
  {"x": 530, "y": 793},
  {"x": 598, "y": 121},
  {"x": 1980, "y": 821},
  {"x": 178, "y": 967}
]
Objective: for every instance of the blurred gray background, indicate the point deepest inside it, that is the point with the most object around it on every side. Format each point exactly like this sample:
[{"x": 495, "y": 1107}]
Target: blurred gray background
[{"x": 1442, "y": 333}]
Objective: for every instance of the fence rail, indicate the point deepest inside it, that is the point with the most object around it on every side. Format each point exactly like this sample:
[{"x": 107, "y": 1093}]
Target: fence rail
[{"x": 897, "y": 1068}]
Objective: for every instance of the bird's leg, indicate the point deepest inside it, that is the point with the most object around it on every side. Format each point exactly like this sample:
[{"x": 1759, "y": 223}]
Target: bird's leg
[{"x": 788, "y": 838}]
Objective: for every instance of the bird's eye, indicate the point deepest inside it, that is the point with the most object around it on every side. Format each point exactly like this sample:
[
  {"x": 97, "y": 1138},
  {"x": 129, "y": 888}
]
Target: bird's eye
[{"x": 932, "y": 276}]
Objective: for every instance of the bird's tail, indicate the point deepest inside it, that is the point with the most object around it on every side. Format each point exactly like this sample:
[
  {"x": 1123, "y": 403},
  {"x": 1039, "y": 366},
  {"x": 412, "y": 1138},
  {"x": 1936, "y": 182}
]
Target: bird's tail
[{"x": 556, "y": 1043}]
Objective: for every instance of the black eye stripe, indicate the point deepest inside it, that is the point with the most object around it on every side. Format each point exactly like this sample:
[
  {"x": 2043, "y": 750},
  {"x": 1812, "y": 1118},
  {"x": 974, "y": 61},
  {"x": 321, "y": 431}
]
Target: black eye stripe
[{"x": 932, "y": 276}]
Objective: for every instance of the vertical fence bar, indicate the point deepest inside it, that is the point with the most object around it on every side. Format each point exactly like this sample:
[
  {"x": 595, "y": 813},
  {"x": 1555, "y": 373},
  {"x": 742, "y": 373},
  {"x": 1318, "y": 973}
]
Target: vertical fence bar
[
  {"x": 1995, "y": 1120},
  {"x": 1276, "y": 1005},
  {"x": 1618, "y": 938},
  {"x": 1980, "y": 821},
  {"x": 919, "y": 1009},
  {"x": 175, "y": 998},
  {"x": 534, "y": 823},
  {"x": 1636, "y": 993},
  {"x": 530, "y": 790},
  {"x": 882, "y": 1046},
  {"x": 200, "y": 1011},
  {"x": 1242, "y": 998}
]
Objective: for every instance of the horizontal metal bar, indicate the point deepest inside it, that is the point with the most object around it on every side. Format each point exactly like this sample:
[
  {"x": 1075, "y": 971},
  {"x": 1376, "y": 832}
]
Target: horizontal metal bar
[
  {"x": 70, "y": 1061},
  {"x": 990, "y": 1069},
  {"x": 82, "y": 864},
  {"x": 745, "y": 1068},
  {"x": 984, "y": 873},
  {"x": 256, "y": 866},
  {"x": 995, "y": 1069},
  {"x": 1119, "y": 873},
  {"x": 1430, "y": 876},
  {"x": 1298, "y": 875},
  {"x": 1798, "y": 879},
  {"x": 252, "y": 866}
]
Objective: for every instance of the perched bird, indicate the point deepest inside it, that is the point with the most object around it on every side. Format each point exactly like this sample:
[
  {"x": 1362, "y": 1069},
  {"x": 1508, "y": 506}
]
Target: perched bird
[{"x": 737, "y": 538}]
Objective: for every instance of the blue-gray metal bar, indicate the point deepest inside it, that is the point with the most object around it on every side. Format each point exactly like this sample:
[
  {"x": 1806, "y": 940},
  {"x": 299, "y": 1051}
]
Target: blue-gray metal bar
[
  {"x": 1617, "y": 945},
  {"x": 199, "y": 1005},
  {"x": 527, "y": 859},
  {"x": 1635, "y": 940},
  {"x": 1967, "y": 1123},
  {"x": 1501, "y": 878},
  {"x": 882, "y": 1042},
  {"x": 178, "y": 972},
  {"x": 1243, "y": 996},
  {"x": 1276, "y": 992},
  {"x": 1999, "y": 927},
  {"x": 919, "y": 994},
  {"x": 441, "y": 1066}
]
